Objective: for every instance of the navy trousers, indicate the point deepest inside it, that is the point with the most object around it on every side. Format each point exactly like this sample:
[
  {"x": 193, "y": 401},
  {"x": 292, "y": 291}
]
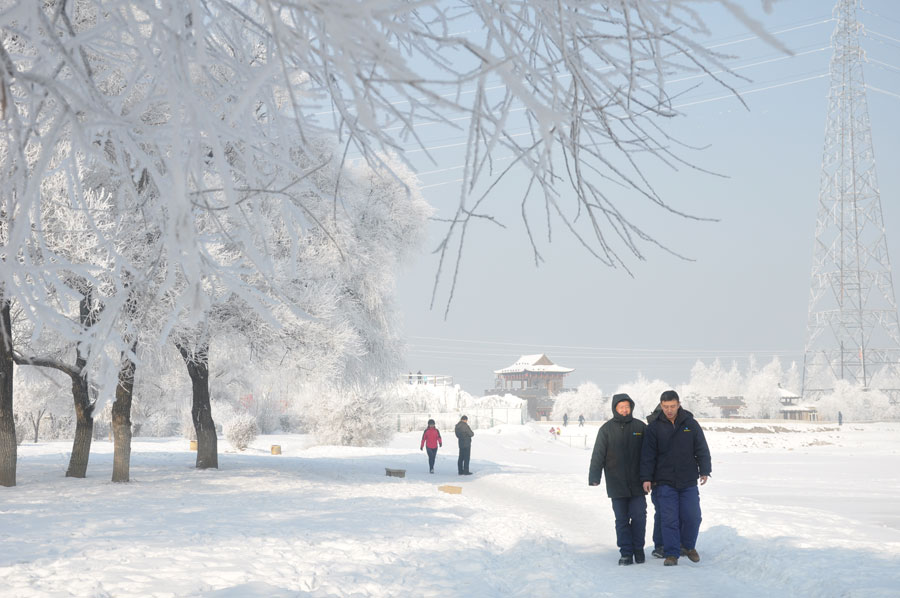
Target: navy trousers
[
  {"x": 680, "y": 517},
  {"x": 657, "y": 528},
  {"x": 463, "y": 462},
  {"x": 432, "y": 453},
  {"x": 631, "y": 523}
]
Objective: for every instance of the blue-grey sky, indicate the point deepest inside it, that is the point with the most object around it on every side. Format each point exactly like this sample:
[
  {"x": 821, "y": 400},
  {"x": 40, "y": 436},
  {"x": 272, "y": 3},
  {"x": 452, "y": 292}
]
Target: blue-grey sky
[{"x": 747, "y": 291}]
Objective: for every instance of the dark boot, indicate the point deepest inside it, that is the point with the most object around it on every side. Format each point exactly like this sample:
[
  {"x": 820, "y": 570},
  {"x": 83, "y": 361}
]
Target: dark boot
[
  {"x": 626, "y": 560},
  {"x": 659, "y": 552},
  {"x": 639, "y": 556}
]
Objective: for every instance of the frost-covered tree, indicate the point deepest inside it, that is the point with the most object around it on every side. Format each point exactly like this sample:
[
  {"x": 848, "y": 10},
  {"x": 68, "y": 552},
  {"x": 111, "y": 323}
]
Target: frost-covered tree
[
  {"x": 587, "y": 400},
  {"x": 761, "y": 397},
  {"x": 646, "y": 393},
  {"x": 347, "y": 415},
  {"x": 855, "y": 403},
  {"x": 713, "y": 380},
  {"x": 41, "y": 397}
]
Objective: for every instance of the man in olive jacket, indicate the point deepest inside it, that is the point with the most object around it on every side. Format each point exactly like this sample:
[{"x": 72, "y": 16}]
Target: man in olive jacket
[
  {"x": 617, "y": 450},
  {"x": 674, "y": 456}
]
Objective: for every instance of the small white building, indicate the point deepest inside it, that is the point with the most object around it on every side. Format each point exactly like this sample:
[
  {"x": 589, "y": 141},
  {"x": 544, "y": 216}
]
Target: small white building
[{"x": 792, "y": 409}]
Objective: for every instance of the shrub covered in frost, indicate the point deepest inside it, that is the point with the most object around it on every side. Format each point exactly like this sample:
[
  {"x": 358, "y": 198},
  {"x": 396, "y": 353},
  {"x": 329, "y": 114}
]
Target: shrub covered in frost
[
  {"x": 349, "y": 416},
  {"x": 241, "y": 430}
]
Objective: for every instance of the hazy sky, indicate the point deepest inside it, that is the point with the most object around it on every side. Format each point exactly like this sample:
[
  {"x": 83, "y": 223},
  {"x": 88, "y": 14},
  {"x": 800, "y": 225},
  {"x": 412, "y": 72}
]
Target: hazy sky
[{"x": 747, "y": 291}]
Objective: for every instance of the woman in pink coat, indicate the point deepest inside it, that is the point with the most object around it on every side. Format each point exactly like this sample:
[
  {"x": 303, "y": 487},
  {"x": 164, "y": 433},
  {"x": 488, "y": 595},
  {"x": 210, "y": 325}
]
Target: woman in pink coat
[{"x": 431, "y": 439}]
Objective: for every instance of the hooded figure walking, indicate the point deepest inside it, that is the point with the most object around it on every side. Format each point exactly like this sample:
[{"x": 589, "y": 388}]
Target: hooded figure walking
[
  {"x": 464, "y": 434},
  {"x": 617, "y": 451},
  {"x": 431, "y": 440}
]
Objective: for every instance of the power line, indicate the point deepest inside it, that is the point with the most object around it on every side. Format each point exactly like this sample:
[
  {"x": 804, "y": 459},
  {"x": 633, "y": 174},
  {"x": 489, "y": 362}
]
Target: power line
[
  {"x": 885, "y": 92},
  {"x": 893, "y": 39},
  {"x": 884, "y": 64},
  {"x": 755, "y": 37},
  {"x": 685, "y": 105},
  {"x": 457, "y": 93},
  {"x": 585, "y": 348},
  {"x": 752, "y": 91}
]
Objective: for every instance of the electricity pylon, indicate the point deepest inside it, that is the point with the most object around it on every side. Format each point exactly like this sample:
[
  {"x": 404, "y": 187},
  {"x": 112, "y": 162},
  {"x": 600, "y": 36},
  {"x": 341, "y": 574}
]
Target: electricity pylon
[{"x": 853, "y": 332}]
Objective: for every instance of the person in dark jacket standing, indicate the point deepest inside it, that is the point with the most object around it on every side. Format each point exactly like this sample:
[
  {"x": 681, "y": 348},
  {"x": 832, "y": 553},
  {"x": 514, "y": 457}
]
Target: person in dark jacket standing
[
  {"x": 617, "y": 451},
  {"x": 464, "y": 433},
  {"x": 674, "y": 456},
  {"x": 431, "y": 440}
]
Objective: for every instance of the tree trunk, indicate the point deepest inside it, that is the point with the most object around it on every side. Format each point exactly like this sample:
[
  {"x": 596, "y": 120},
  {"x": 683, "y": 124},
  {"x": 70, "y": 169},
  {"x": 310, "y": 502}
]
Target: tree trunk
[
  {"x": 201, "y": 412},
  {"x": 36, "y": 424},
  {"x": 8, "y": 445},
  {"x": 84, "y": 409},
  {"x": 121, "y": 420},
  {"x": 84, "y": 429}
]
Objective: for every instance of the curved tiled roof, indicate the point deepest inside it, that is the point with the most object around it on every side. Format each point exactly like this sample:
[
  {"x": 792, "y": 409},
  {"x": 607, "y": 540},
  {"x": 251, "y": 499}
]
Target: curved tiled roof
[{"x": 538, "y": 363}]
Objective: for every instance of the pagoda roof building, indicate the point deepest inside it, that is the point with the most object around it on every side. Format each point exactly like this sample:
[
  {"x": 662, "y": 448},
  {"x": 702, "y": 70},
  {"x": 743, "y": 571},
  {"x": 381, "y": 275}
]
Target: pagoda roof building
[
  {"x": 534, "y": 364},
  {"x": 534, "y": 378}
]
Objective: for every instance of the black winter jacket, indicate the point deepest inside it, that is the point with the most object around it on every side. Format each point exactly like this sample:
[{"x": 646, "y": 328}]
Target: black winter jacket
[
  {"x": 464, "y": 433},
  {"x": 618, "y": 451},
  {"x": 675, "y": 454}
]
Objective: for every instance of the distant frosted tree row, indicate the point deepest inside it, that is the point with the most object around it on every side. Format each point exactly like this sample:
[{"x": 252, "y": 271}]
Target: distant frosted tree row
[{"x": 759, "y": 388}]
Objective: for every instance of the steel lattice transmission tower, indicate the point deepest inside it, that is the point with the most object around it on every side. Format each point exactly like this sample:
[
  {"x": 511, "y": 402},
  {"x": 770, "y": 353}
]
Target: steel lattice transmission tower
[{"x": 852, "y": 331}]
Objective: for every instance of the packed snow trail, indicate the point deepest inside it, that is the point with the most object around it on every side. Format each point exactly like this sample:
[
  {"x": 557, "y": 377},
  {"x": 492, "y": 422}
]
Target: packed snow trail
[{"x": 802, "y": 514}]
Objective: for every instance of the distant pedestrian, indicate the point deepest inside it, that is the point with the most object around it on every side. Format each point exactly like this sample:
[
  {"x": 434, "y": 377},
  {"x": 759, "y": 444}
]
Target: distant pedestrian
[
  {"x": 617, "y": 451},
  {"x": 840, "y": 418},
  {"x": 565, "y": 419},
  {"x": 581, "y": 421},
  {"x": 419, "y": 377},
  {"x": 553, "y": 432},
  {"x": 674, "y": 456},
  {"x": 557, "y": 431},
  {"x": 464, "y": 434},
  {"x": 431, "y": 440}
]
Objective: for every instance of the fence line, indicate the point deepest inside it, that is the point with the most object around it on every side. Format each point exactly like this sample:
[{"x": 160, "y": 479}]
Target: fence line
[
  {"x": 577, "y": 441},
  {"x": 486, "y": 417}
]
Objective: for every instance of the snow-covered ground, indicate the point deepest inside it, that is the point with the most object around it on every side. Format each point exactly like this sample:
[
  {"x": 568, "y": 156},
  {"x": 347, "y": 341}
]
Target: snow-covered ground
[{"x": 794, "y": 510}]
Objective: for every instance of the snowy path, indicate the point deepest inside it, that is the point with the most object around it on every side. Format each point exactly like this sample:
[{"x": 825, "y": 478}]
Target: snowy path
[{"x": 782, "y": 516}]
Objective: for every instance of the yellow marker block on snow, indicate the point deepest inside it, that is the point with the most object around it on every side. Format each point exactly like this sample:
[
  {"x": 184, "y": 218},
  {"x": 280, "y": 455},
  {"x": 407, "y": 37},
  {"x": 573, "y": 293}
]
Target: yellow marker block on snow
[
  {"x": 450, "y": 489},
  {"x": 276, "y": 449},
  {"x": 193, "y": 445}
]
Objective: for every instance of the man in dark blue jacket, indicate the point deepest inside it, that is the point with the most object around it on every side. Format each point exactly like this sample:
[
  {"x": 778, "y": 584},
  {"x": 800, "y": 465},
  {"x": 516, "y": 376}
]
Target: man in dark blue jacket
[
  {"x": 618, "y": 451},
  {"x": 674, "y": 456}
]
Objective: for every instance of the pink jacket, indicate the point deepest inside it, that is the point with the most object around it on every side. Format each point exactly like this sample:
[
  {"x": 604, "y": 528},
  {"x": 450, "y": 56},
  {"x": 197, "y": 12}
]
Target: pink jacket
[{"x": 431, "y": 438}]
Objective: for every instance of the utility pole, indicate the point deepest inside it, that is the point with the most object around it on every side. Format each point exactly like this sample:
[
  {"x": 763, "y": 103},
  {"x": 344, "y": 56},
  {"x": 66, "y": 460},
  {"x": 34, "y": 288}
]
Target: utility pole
[{"x": 853, "y": 332}]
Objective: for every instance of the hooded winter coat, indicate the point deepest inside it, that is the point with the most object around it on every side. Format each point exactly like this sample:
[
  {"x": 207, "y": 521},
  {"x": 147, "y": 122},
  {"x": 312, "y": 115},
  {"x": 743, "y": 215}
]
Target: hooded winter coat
[
  {"x": 618, "y": 451},
  {"x": 675, "y": 454}
]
